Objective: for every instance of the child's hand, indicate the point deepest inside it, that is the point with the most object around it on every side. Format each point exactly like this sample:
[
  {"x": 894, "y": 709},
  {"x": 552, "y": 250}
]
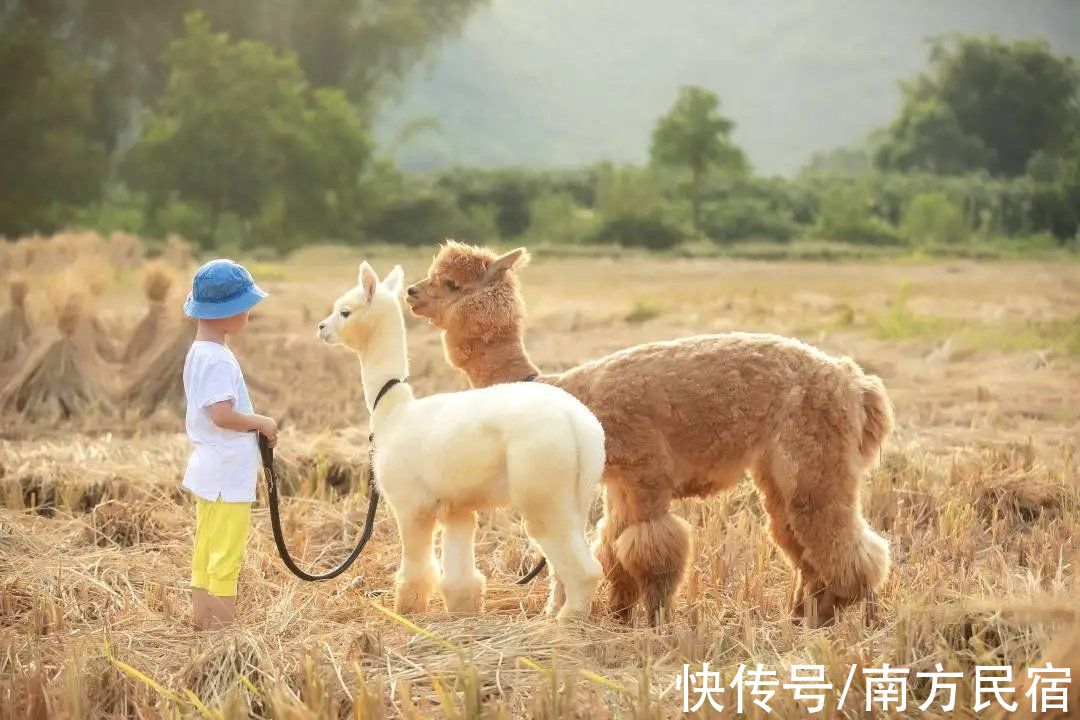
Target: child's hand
[{"x": 268, "y": 427}]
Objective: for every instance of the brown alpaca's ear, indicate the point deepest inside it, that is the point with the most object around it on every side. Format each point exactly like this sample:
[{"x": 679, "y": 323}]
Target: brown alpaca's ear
[{"x": 499, "y": 266}]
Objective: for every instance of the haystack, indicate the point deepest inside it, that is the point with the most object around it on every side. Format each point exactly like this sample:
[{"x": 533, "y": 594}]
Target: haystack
[
  {"x": 177, "y": 252},
  {"x": 156, "y": 283},
  {"x": 124, "y": 250},
  {"x": 66, "y": 249},
  {"x": 331, "y": 462},
  {"x": 14, "y": 323},
  {"x": 55, "y": 380},
  {"x": 92, "y": 334},
  {"x": 160, "y": 380},
  {"x": 34, "y": 250}
]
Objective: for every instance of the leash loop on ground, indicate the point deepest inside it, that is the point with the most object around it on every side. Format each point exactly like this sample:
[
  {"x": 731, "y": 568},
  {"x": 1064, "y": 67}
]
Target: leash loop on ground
[
  {"x": 369, "y": 521},
  {"x": 275, "y": 516}
]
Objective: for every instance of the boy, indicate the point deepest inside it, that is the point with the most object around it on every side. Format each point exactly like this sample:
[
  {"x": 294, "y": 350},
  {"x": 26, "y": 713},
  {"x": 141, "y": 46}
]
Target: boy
[{"x": 224, "y": 463}]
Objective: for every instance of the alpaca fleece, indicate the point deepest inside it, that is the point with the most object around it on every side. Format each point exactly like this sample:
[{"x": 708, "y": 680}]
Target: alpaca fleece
[{"x": 686, "y": 418}]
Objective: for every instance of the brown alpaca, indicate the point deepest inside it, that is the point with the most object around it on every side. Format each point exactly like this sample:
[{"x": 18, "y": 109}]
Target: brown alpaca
[{"x": 685, "y": 418}]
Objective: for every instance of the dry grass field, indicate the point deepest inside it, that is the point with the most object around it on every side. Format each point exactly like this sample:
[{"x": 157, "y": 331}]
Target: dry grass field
[{"x": 977, "y": 492}]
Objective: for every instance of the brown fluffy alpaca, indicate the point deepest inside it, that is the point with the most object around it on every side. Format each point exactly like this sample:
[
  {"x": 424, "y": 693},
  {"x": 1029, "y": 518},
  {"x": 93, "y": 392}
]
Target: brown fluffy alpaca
[{"x": 685, "y": 418}]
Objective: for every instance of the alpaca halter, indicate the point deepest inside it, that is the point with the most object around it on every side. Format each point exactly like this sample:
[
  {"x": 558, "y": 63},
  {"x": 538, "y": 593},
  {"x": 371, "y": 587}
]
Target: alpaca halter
[{"x": 387, "y": 386}]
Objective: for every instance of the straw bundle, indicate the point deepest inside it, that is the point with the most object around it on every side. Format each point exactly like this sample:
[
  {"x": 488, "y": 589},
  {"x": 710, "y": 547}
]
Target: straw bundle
[
  {"x": 156, "y": 284},
  {"x": 34, "y": 249},
  {"x": 96, "y": 285},
  {"x": 65, "y": 249},
  {"x": 124, "y": 250},
  {"x": 161, "y": 378},
  {"x": 14, "y": 324},
  {"x": 93, "y": 339},
  {"x": 177, "y": 252},
  {"x": 331, "y": 462},
  {"x": 90, "y": 334},
  {"x": 54, "y": 381}
]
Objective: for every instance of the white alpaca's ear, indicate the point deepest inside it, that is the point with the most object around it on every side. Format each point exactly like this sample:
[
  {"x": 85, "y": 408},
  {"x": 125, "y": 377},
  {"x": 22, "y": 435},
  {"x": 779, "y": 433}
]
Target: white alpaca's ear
[
  {"x": 394, "y": 280},
  {"x": 368, "y": 281},
  {"x": 514, "y": 258}
]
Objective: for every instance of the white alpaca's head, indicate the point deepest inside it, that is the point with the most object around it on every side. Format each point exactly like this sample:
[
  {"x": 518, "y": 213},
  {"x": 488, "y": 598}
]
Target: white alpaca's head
[{"x": 356, "y": 312}]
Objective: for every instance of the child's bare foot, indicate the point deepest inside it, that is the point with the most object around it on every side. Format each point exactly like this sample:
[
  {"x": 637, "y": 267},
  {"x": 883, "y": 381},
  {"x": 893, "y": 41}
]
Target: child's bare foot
[
  {"x": 223, "y": 613},
  {"x": 200, "y": 608},
  {"x": 211, "y": 612}
]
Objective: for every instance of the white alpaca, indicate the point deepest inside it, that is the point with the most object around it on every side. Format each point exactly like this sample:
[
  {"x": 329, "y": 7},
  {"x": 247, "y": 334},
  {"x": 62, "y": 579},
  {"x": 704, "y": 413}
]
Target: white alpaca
[{"x": 443, "y": 457}]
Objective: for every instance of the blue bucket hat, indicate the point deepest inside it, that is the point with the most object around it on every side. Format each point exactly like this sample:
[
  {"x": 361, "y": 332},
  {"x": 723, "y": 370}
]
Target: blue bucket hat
[{"x": 221, "y": 289}]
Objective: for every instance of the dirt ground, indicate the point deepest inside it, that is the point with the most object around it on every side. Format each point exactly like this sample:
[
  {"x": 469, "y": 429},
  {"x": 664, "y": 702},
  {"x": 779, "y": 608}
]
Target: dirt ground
[{"x": 977, "y": 492}]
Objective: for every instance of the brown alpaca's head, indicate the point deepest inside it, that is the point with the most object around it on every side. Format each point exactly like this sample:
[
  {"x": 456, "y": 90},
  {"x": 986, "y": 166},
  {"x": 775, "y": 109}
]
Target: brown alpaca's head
[{"x": 471, "y": 292}]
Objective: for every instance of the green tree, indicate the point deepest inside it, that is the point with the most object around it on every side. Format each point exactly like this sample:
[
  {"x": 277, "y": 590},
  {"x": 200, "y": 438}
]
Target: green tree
[
  {"x": 934, "y": 218},
  {"x": 984, "y": 104},
  {"x": 928, "y": 138},
  {"x": 1056, "y": 202},
  {"x": 632, "y": 209},
  {"x": 556, "y": 218},
  {"x": 364, "y": 47},
  {"x": 841, "y": 161},
  {"x": 847, "y": 214},
  {"x": 695, "y": 136},
  {"x": 49, "y": 165},
  {"x": 238, "y": 130},
  {"x": 328, "y": 172}
]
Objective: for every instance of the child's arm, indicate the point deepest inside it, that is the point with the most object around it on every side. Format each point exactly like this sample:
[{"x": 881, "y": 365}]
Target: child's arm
[{"x": 225, "y": 415}]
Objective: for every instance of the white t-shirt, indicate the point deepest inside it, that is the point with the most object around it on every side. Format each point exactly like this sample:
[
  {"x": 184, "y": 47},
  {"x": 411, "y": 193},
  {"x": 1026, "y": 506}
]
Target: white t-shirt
[{"x": 224, "y": 463}]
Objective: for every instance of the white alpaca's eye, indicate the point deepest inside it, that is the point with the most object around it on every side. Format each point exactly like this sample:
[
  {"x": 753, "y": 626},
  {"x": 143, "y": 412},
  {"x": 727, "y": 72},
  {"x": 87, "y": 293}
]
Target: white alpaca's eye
[
  {"x": 345, "y": 313},
  {"x": 451, "y": 285}
]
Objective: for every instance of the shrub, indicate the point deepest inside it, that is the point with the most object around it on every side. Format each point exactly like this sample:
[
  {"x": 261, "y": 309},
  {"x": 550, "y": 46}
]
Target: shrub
[
  {"x": 181, "y": 218},
  {"x": 421, "y": 216},
  {"x": 748, "y": 218},
  {"x": 933, "y": 218},
  {"x": 633, "y": 210},
  {"x": 507, "y": 192},
  {"x": 652, "y": 233},
  {"x": 846, "y": 214},
  {"x": 415, "y": 220},
  {"x": 118, "y": 211},
  {"x": 556, "y": 218},
  {"x": 482, "y": 223},
  {"x": 629, "y": 192}
]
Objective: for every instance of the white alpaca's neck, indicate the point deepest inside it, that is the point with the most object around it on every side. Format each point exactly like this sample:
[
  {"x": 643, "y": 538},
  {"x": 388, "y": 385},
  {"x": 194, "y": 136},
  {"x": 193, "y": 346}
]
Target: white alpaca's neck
[{"x": 384, "y": 356}]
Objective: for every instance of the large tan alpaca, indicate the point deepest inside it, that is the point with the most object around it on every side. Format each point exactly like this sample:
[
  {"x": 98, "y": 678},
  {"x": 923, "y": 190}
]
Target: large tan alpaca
[{"x": 685, "y": 418}]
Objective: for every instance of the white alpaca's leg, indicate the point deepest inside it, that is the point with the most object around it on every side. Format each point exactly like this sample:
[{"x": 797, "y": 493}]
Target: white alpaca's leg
[
  {"x": 462, "y": 583},
  {"x": 546, "y": 494},
  {"x": 556, "y": 594},
  {"x": 419, "y": 571},
  {"x": 564, "y": 545}
]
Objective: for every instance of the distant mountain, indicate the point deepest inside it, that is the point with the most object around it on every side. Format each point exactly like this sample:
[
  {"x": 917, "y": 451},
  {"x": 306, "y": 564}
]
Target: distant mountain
[{"x": 558, "y": 83}]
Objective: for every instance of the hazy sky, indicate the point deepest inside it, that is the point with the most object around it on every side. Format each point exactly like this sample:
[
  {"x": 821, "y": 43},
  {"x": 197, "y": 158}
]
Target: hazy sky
[{"x": 567, "y": 82}]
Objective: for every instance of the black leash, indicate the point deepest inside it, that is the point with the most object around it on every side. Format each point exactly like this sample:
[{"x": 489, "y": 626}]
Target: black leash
[
  {"x": 267, "y": 453},
  {"x": 542, "y": 563}
]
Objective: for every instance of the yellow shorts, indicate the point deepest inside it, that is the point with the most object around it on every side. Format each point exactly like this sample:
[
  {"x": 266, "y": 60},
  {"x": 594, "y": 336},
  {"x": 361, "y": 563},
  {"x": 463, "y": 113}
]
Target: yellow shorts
[{"x": 221, "y": 531}]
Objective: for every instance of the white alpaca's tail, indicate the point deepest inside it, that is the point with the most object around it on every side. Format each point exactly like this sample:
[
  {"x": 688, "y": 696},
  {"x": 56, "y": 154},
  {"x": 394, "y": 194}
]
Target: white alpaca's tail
[{"x": 589, "y": 441}]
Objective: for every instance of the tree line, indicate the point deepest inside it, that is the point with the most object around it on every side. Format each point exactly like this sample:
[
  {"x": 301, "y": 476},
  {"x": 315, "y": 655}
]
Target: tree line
[{"x": 234, "y": 126}]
